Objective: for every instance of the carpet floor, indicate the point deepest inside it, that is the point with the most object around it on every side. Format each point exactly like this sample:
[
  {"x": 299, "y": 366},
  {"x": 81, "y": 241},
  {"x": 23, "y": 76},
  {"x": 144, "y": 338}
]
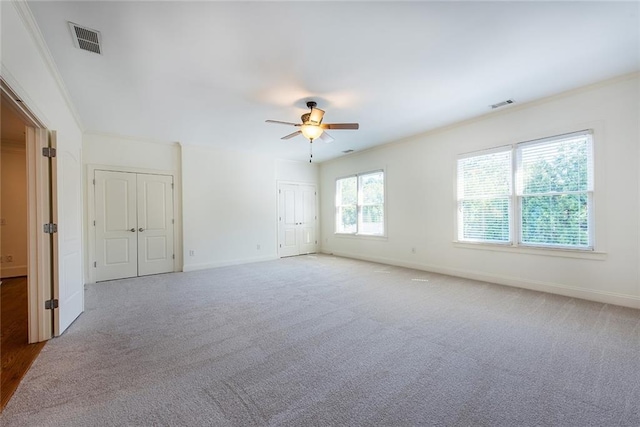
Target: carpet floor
[{"x": 321, "y": 340}]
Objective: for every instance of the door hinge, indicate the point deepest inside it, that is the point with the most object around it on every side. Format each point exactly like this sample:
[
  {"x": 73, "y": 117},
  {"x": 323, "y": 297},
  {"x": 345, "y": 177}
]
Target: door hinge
[
  {"x": 173, "y": 221},
  {"x": 279, "y": 191},
  {"x": 51, "y": 304},
  {"x": 280, "y": 245},
  {"x": 48, "y": 152},
  {"x": 316, "y": 242},
  {"x": 172, "y": 185},
  {"x": 173, "y": 256},
  {"x": 94, "y": 182},
  {"x": 95, "y": 264},
  {"x": 50, "y": 228}
]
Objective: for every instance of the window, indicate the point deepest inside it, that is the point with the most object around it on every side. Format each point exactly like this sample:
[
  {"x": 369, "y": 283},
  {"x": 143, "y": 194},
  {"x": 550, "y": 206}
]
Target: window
[
  {"x": 360, "y": 204},
  {"x": 551, "y": 202}
]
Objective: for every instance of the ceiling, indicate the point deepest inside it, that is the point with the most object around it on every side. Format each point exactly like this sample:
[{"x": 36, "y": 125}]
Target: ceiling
[{"x": 211, "y": 73}]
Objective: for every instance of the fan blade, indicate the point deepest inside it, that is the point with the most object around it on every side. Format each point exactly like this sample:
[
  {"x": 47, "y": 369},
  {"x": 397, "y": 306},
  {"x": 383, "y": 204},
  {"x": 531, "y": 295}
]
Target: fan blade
[
  {"x": 316, "y": 115},
  {"x": 340, "y": 126},
  {"x": 282, "y": 123},
  {"x": 326, "y": 137},
  {"x": 291, "y": 135}
]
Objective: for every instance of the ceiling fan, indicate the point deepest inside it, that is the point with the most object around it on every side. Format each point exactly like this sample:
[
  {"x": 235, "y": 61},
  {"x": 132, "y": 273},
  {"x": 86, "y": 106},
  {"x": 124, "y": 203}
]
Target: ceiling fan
[{"x": 312, "y": 127}]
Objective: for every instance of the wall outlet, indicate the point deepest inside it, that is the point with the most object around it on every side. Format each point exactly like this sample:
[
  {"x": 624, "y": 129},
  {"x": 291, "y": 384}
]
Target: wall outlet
[
  {"x": 192, "y": 252},
  {"x": 258, "y": 246},
  {"x": 413, "y": 250}
]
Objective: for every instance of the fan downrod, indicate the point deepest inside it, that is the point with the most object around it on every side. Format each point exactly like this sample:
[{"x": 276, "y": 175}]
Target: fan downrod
[{"x": 311, "y": 104}]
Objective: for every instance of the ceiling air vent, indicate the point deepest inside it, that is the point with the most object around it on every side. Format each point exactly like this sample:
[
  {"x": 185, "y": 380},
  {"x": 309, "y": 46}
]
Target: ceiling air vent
[
  {"x": 85, "y": 38},
  {"x": 502, "y": 104},
  {"x": 347, "y": 151}
]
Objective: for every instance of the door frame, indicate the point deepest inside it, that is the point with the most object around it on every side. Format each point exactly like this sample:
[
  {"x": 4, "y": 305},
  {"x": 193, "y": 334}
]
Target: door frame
[
  {"x": 42, "y": 248},
  {"x": 91, "y": 212},
  {"x": 317, "y": 215}
]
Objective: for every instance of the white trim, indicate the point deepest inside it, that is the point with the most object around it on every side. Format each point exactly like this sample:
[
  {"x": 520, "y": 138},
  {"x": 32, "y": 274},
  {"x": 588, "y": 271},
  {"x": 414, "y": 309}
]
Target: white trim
[
  {"x": 205, "y": 266},
  {"x": 605, "y": 297},
  {"x": 91, "y": 214},
  {"x": 13, "y": 271},
  {"x": 32, "y": 27},
  {"x": 534, "y": 250}
]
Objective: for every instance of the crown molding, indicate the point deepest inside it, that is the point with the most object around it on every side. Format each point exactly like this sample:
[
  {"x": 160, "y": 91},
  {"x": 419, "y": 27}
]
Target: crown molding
[{"x": 32, "y": 27}]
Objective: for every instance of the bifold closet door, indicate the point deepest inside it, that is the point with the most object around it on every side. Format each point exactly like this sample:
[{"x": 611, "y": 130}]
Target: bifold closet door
[
  {"x": 116, "y": 225},
  {"x": 155, "y": 224}
]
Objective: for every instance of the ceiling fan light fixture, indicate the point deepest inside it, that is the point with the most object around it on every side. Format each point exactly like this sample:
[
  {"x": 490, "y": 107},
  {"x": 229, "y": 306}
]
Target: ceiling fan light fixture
[
  {"x": 311, "y": 131},
  {"x": 315, "y": 117}
]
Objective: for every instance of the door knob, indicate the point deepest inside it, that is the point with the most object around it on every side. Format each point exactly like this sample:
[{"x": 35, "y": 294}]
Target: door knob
[
  {"x": 133, "y": 230},
  {"x": 140, "y": 229}
]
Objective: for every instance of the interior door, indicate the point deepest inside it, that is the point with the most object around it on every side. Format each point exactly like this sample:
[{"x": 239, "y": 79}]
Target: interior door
[
  {"x": 155, "y": 224},
  {"x": 306, "y": 200},
  {"x": 116, "y": 225},
  {"x": 287, "y": 221},
  {"x": 297, "y": 220}
]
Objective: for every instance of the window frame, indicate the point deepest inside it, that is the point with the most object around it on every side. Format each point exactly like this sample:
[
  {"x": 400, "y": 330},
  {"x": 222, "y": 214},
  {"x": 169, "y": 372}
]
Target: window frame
[
  {"x": 360, "y": 204},
  {"x": 515, "y": 211}
]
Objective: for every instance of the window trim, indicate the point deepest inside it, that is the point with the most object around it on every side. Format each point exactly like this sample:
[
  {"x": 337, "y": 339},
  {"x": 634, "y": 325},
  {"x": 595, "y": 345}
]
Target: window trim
[
  {"x": 359, "y": 206},
  {"x": 515, "y": 212}
]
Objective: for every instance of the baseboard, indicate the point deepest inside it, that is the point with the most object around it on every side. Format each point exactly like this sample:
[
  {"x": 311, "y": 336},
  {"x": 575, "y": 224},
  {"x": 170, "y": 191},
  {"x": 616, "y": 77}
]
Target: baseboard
[
  {"x": 205, "y": 266},
  {"x": 625, "y": 300},
  {"x": 16, "y": 271}
]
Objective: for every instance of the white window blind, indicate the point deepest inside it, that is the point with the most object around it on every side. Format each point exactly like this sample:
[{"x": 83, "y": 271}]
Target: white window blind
[
  {"x": 554, "y": 191},
  {"x": 484, "y": 197}
]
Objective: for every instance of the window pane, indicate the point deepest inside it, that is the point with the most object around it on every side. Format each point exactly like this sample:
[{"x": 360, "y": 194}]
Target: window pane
[
  {"x": 484, "y": 220},
  {"x": 347, "y": 191},
  {"x": 560, "y": 220},
  {"x": 346, "y": 220},
  {"x": 558, "y": 166},
  {"x": 372, "y": 220},
  {"x": 372, "y": 188},
  {"x": 485, "y": 175}
]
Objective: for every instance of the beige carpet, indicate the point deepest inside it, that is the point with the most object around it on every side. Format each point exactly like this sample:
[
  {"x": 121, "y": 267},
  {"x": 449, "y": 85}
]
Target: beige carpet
[{"x": 320, "y": 340}]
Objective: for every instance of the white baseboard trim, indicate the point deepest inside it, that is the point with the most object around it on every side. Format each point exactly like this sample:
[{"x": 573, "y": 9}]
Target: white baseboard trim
[
  {"x": 205, "y": 266},
  {"x": 625, "y": 300},
  {"x": 15, "y": 271}
]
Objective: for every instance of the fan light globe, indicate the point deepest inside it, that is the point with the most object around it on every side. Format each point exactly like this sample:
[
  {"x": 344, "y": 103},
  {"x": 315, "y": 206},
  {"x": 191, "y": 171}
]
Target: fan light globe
[{"x": 311, "y": 131}]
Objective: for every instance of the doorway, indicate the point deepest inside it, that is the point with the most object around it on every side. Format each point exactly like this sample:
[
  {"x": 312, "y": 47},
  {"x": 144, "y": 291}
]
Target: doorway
[
  {"x": 19, "y": 324},
  {"x": 134, "y": 224},
  {"x": 297, "y": 219}
]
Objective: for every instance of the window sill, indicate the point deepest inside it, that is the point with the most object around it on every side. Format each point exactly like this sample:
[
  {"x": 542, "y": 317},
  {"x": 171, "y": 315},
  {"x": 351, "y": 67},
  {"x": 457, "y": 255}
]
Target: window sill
[
  {"x": 360, "y": 236},
  {"x": 565, "y": 253}
]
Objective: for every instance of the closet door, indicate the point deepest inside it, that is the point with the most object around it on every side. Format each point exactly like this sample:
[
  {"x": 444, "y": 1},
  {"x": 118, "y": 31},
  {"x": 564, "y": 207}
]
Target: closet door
[
  {"x": 155, "y": 224},
  {"x": 116, "y": 232},
  {"x": 297, "y": 221}
]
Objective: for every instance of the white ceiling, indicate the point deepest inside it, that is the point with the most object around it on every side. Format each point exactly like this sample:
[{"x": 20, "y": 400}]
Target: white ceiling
[{"x": 210, "y": 73}]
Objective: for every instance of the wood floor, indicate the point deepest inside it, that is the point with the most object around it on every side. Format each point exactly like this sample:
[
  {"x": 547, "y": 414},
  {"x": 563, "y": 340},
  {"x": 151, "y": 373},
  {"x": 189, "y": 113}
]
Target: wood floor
[{"x": 17, "y": 354}]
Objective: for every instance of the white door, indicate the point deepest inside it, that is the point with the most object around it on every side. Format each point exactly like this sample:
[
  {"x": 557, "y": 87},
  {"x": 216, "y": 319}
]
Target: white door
[
  {"x": 296, "y": 219},
  {"x": 116, "y": 225},
  {"x": 155, "y": 224},
  {"x": 134, "y": 224}
]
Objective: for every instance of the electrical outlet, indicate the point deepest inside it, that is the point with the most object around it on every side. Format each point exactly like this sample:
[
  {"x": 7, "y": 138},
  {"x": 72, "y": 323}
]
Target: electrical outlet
[
  {"x": 258, "y": 246},
  {"x": 9, "y": 258},
  {"x": 192, "y": 252},
  {"x": 413, "y": 250}
]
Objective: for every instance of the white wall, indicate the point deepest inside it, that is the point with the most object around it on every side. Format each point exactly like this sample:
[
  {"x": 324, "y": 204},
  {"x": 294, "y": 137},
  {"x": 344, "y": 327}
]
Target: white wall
[
  {"x": 27, "y": 68},
  {"x": 14, "y": 209},
  {"x": 228, "y": 206},
  {"x": 420, "y": 179},
  {"x": 120, "y": 153}
]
